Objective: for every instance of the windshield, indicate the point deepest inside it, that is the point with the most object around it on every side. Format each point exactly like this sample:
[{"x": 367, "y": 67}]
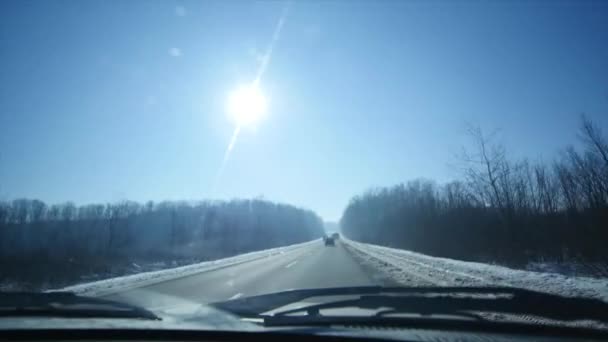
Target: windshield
[{"x": 162, "y": 153}]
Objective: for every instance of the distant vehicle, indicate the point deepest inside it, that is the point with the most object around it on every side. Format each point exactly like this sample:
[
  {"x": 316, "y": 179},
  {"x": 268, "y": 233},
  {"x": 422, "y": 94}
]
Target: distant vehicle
[
  {"x": 329, "y": 241},
  {"x": 335, "y": 236}
]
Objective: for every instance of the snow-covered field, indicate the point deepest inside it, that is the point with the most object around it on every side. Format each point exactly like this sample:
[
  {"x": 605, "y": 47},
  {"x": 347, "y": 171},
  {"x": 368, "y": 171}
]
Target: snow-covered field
[
  {"x": 409, "y": 268},
  {"x": 108, "y": 286}
]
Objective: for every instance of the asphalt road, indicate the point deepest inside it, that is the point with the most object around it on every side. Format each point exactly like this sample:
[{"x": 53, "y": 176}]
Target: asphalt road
[{"x": 313, "y": 266}]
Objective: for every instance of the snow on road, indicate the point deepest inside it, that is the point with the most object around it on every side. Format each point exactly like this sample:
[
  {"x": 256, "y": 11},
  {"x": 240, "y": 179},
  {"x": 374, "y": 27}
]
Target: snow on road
[
  {"x": 410, "y": 268},
  {"x": 108, "y": 286}
]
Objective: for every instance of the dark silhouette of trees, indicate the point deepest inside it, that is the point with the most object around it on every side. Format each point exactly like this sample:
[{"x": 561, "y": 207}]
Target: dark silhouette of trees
[
  {"x": 55, "y": 245},
  {"x": 502, "y": 210}
]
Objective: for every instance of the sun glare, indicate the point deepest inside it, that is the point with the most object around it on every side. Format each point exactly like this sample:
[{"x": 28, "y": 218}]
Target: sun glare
[{"x": 246, "y": 105}]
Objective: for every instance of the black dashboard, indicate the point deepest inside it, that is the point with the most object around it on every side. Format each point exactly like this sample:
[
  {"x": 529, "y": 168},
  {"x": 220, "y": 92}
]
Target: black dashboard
[{"x": 292, "y": 335}]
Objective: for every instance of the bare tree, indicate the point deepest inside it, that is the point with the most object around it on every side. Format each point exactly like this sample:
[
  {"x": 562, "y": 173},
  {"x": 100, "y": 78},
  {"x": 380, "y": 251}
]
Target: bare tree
[
  {"x": 593, "y": 137},
  {"x": 597, "y": 158},
  {"x": 68, "y": 211},
  {"x": 487, "y": 170},
  {"x": 38, "y": 209},
  {"x": 547, "y": 189},
  {"x": 20, "y": 211},
  {"x": 5, "y": 212}
]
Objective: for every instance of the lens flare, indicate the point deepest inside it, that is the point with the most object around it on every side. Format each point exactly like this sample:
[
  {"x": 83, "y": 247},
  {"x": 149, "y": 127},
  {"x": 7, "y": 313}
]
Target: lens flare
[{"x": 247, "y": 105}]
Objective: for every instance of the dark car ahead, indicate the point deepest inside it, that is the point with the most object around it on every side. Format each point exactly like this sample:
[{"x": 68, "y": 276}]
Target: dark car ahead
[{"x": 329, "y": 241}]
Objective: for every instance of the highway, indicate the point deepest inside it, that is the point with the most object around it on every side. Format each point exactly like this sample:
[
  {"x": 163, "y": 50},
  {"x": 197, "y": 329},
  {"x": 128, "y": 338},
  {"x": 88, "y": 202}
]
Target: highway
[{"x": 312, "y": 266}]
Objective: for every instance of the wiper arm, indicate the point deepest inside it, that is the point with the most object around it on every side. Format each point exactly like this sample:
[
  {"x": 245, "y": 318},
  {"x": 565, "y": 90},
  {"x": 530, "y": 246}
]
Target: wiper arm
[
  {"x": 67, "y": 304},
  {"x": 392, "y": 305},
  {"x": 435, "y": 323},
  {"x": 414, "y": 310},
  {"x": 468, "y": 305},
  {"x": 448, "y": 300}
]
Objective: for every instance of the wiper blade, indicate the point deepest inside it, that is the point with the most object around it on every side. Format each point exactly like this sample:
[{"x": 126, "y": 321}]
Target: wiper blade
[
  {"x": 515, "y": 302},
  {"x": 67, "y": 304},
  {"x": 434, "y": 323},
  {"x": 428, "y": 300}
]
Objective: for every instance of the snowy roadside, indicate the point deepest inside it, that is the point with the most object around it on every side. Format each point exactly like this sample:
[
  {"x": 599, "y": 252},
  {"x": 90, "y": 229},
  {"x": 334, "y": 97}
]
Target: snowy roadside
[
  {"x": 112, "y": 285},
  {"x": 410, "y": 268},
  {"x": 573, "y": 268}
]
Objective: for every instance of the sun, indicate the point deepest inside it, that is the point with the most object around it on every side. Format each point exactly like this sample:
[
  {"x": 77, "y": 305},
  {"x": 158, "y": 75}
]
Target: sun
[{"x": 247, "y": 105}]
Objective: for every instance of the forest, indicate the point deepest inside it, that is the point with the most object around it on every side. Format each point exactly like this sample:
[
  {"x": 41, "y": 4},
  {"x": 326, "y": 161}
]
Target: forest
[
  {"x": 498, "y": 210},
  {"x": 47, "y": 246}
]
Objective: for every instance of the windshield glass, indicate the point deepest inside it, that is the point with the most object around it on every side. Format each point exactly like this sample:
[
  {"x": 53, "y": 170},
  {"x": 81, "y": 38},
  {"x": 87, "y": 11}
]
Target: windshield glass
[{"x": 162, "y": 153}]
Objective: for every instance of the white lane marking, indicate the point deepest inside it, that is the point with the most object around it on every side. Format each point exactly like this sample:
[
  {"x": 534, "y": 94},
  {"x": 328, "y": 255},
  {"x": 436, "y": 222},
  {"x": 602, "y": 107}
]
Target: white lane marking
[
  {"x": 235, "y": 296},
  {"x": 291, "y": 264}
]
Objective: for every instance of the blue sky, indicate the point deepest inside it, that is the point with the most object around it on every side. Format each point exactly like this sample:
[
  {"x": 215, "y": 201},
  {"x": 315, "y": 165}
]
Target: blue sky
[{"x": 107, "y": 100}]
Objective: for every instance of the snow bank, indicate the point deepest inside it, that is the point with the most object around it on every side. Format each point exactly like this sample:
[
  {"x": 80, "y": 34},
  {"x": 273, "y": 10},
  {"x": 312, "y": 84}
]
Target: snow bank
[
  {"x": 410, "y": 268},
  {"x": 112, "y": 285},
  {"x": 571, "y": 268}
]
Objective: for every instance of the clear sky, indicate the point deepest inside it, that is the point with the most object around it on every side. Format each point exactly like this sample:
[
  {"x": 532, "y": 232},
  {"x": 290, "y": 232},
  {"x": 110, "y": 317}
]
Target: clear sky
[{"x": 110, "y": 100}]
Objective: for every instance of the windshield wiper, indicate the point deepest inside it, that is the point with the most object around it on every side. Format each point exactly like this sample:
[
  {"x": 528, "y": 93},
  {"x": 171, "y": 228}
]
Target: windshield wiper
[
  {"x": 424, "y": 301},
  {"x": 68, "y": 305}
]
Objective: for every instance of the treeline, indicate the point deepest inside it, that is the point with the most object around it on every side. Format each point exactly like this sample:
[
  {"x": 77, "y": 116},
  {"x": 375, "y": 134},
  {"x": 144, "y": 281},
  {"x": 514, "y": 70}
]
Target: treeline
[
  {"x": 49, "y": 245},
  {"x": 504, "y": 211}
]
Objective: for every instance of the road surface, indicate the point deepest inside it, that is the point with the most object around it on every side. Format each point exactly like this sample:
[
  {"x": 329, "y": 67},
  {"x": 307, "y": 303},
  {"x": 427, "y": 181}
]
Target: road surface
[{"x": 312, "y": 266}]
